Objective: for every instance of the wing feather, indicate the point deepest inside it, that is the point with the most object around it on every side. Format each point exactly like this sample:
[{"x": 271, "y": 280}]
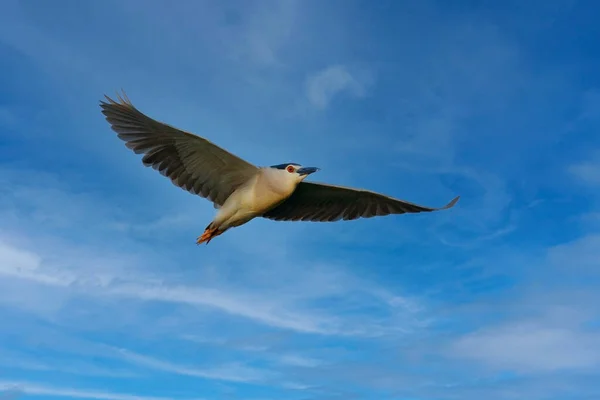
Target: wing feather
[
  {"x": 189, "y": 161},
  {"x": 320, "y": 202}
]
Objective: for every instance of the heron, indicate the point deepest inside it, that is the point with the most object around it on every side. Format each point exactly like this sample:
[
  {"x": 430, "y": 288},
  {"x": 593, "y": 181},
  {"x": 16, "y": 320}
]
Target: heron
[{"x": 239, "y": 190}]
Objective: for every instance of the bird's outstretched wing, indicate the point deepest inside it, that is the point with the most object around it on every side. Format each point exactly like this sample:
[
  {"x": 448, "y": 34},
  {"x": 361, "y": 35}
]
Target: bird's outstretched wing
[
  {"x": 324, "y": 203},
  {"x": 191, "y": 162}
]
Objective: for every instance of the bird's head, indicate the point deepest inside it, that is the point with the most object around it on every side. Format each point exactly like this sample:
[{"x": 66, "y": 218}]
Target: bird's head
[{"x": 294, "y": 171}]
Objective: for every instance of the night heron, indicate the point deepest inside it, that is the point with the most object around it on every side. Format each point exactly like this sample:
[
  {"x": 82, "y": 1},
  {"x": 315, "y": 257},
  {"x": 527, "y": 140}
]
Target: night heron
[{"x": 239, "y": 190}]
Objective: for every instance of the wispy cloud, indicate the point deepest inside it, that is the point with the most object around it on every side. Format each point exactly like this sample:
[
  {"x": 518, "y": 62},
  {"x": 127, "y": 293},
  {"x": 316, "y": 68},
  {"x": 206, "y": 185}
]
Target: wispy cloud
[
  {"x": 263, "y": 31},
  {"x": 547, "y": 324},
  {"x": 17, "y": 388},
  {"x": 531, "y": 347},
  {"x": 581, "y": 255},
  {"x": 233, "y": 372},
  {"x": 323, "y": 86},
  {"x": 73, "y": 367},
  {"x": 23, "y": 264},
  {"x": 272, "y": 308},
  {"x": 299, "y": 361},
  {"x": 587, "y": 172}
]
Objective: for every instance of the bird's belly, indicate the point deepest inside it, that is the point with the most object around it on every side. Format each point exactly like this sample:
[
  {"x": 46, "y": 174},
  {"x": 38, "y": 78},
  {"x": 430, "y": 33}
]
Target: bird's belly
[
  {"x": 245, "y": 204},
  {"x": 240, "y": 218},
  {"x": 265, "y": 201},
  {"x": 238, "y": 209}
]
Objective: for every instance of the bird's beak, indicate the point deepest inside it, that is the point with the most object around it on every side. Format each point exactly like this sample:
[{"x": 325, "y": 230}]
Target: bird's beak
[{"x": 307, "y": 170}]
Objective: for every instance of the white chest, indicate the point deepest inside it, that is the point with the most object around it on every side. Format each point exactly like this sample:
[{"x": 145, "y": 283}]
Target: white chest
[
  {"x": 267, "y": 189},
  {"x": 270, "y": 188}
]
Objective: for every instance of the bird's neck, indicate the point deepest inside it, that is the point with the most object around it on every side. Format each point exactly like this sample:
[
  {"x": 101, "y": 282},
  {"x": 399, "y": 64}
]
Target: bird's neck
[{"x": 279, "y": 181}]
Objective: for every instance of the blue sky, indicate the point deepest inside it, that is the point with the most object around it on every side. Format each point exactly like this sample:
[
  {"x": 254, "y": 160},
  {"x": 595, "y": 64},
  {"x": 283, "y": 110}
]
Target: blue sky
[{"x": 104, "y": 294}]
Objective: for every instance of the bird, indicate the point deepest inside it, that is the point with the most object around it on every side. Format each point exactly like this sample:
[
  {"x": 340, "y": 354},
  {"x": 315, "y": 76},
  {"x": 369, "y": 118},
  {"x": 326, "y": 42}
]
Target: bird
[{"x": 239, "y": 190}]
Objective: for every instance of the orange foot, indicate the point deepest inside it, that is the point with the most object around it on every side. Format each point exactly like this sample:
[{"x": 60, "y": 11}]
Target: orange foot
[{"x": 208, "y": 235}]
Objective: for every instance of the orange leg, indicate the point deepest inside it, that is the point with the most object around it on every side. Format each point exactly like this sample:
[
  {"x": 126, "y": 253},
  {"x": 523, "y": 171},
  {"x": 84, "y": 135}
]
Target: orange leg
[{"x": 208, "y": 235}]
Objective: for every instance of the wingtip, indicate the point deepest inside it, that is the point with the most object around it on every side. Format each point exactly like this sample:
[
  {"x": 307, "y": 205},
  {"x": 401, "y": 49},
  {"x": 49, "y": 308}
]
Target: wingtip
[
  {"x": 121, "y": 97},
  {"x": 452, "y": 202}
]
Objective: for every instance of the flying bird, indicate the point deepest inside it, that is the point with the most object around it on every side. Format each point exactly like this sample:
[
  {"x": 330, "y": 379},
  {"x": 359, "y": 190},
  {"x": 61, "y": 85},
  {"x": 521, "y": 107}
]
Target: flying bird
[{"x": 239, "y": 190}]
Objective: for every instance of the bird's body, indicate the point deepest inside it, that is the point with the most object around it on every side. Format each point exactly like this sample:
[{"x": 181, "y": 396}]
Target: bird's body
[
  {"x": 265, "y": 190},
  {"x": 239, "y": 190}
]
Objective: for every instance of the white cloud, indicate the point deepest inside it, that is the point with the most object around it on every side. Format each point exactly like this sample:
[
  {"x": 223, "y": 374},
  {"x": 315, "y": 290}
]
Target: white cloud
[
  {"x": 251, "y": 307},
  {"x": 283, "y": 301},
  {"x": 587, "y": 172},
  {"x": 299, "y": 361},
  {"x": 546, "y": 325},
  {"x": 323, "y": 86},
  {"x": 14, "y": 261},
  {"x": 70, "y": 347},
  {"x": 581, "y": 255},
  {"x": 16, "y": 388},
  {"x": 72, "y": 368},
  {"x": 296, "y": 386},
  {"x": 262, "y": 32},
  {"x": 531, "y": 347},
  {"x": 231, "y": 372},
  {"x": 25, "y": 265}
]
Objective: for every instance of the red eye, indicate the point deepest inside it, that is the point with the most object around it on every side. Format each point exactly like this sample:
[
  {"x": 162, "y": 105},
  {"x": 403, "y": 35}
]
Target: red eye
[{"x": 290, "y": 169}]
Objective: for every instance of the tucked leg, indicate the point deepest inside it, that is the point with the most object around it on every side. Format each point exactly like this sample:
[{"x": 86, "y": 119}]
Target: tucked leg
[{"x": 208, "y": 235}]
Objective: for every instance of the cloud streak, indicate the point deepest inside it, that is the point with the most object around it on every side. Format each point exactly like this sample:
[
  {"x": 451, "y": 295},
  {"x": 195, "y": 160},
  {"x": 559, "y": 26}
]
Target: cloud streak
[
  {"x": 232, "y": 373},
  {"x": 16, "y": 388},
  {"x": 278, "y": 312}
]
